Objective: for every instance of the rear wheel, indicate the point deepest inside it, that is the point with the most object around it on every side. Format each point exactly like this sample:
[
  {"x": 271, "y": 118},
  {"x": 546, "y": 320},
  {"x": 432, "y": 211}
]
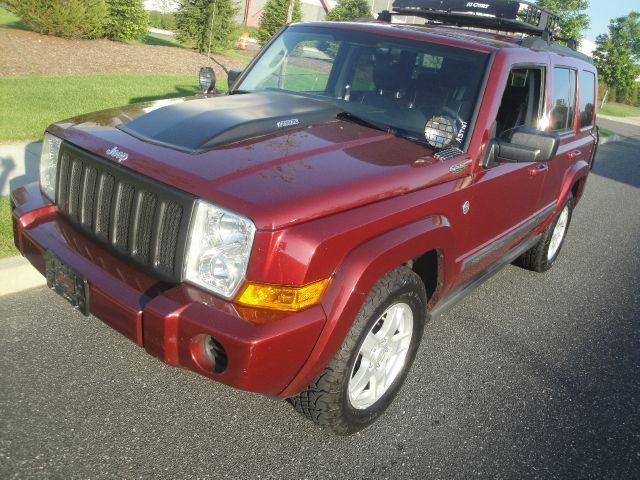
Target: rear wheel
[
  {"x": 374, "y": 359},
  {"x": 544, "y": 254}
]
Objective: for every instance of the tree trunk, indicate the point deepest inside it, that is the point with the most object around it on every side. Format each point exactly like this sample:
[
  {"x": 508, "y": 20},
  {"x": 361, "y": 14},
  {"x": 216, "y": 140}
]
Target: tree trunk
[
  {"x": 604, "y": 97},
  {"x": 290, "y": 12}
]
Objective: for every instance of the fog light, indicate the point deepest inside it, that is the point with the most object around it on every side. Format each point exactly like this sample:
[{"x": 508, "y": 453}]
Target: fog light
[
  {"x": 216, "y": 354},
  {"x": 208, "y": 353}
]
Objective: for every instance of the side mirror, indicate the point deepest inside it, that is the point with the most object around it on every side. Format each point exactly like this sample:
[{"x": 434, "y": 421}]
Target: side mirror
[
  {"x": 526, "y": 146},
  {"x": 232, "y": 76}
]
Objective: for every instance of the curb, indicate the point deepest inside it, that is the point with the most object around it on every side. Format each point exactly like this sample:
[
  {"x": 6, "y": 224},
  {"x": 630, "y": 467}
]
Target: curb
[
  {"x": 613, "y": 138},
  {"x": 18, "y": 275}
]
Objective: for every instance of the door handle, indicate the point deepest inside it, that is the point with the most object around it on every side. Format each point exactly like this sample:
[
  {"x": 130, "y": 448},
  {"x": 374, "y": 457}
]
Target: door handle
[
  {"x": 538, "y": 169},
  {"x": 573, "y": 155}
]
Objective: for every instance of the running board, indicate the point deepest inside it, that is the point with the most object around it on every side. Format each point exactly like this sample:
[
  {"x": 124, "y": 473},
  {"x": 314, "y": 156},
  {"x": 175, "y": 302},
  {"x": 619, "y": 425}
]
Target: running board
[{"x": 456, "y": 297}]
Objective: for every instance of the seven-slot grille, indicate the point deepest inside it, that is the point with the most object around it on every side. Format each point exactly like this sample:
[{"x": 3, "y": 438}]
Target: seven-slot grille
[{"x": 141, "y": 219}]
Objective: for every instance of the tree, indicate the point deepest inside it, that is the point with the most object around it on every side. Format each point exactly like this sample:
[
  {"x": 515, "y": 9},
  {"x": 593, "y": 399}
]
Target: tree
[
  {"x": 63, "y": 18},
  {"x": 206, "y": 23},
  {"x": 126, "y": 20},
  {"x": 276, "y": 14},
  {"x": 348, "y": 10},
  {"x": 573, "y": 19},
  {"x": 617, "y": 55}
]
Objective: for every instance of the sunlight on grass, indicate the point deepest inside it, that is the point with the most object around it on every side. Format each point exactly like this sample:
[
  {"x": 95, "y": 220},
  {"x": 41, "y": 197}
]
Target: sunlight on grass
[
  {"x": 619, "y": 110},
  {"x": 9, "y": 20},
  {"x": 160, "y": 40},
  {"x": 604, "y": 133},
  {"x": 29, "y": 104},
  {"x": 6, "y": 229}
]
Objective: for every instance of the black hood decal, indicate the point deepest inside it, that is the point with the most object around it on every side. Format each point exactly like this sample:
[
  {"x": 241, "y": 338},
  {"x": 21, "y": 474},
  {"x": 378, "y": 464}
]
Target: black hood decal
[{"x": 203, "y": 124}]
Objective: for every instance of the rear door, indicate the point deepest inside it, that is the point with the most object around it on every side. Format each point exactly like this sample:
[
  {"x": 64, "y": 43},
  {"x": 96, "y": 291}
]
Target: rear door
[{"x": 572, "y": 116}]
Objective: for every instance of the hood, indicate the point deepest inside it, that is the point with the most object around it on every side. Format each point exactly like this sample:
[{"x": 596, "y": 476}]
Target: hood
[
  {"x": 207, "y": 123},
  {"x": 276, "y": 175}
]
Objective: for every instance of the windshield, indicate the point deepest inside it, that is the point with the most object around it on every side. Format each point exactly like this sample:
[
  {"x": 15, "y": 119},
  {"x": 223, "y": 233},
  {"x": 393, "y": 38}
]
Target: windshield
[{"x": 408, "y": 87}]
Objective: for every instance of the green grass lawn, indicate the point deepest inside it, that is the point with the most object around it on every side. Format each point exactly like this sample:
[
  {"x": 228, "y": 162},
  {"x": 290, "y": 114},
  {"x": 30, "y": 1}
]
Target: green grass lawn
[
  {"x": 9, "y": 20},
  {"x": 29, "y": 104},
  {"x": 619, "y": 110},
  {"x": 161, "y": 40},
  {"x": 604, "y": 133},
  {"x": 6, "y": 229}
]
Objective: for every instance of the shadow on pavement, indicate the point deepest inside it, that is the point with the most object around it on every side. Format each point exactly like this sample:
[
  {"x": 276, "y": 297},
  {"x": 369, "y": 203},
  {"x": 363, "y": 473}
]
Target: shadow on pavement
[{"x": 617, "y": 154}]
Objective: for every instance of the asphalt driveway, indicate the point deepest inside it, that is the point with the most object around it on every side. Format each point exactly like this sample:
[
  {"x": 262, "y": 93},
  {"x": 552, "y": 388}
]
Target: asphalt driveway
[{"x": 532, "y": 376}]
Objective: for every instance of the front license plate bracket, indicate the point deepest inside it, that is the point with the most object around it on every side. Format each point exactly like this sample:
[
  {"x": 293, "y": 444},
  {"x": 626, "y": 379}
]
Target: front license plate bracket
[{"x": 67, "y": 283}]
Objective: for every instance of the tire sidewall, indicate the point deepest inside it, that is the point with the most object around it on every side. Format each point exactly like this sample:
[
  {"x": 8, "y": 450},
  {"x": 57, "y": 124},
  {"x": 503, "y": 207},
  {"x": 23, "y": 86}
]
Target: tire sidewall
[
  {"x": 549, "y": 262},
  {"x": 404, "y": 294}
]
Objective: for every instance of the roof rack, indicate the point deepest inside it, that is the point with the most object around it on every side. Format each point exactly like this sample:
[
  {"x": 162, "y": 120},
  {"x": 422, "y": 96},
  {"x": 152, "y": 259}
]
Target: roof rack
[{"x": 505, "y": 15}]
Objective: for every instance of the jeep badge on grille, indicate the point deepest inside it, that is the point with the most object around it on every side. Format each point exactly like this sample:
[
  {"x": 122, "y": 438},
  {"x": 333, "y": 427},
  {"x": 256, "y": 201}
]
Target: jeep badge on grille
[{"x": 118, "y": 154}]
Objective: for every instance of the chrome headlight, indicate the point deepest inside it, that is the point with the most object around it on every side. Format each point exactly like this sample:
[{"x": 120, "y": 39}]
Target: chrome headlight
[
  {"x": 218, "y": 249},
  {"x": 49, "y": 165}
]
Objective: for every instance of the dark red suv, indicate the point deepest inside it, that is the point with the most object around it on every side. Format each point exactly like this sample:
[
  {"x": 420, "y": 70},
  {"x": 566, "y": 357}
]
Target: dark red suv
[{"x": 292, "y": 237}]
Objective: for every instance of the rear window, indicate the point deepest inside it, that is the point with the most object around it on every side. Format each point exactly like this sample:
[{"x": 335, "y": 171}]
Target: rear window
[
  {"x": 564, "y": 99},
  {"x": 587, "y": 98}
]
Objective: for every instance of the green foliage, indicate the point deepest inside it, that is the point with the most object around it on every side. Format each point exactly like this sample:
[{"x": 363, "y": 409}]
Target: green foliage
[
  {"x": 63, "y": 18},
  {"x": 274, "y": 17},
  {"x": 617, "y": 55},
  {"x": 573, "y": 19},
  {"x": 193, "y": 24},
  {"x": 165, "y": 21},
  {"x": 348, "y": 10},
  {"x": 127, "y": 20}
]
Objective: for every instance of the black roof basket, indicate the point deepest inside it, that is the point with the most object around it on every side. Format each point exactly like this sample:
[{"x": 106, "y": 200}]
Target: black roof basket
[{"x": 505, "y": 15}]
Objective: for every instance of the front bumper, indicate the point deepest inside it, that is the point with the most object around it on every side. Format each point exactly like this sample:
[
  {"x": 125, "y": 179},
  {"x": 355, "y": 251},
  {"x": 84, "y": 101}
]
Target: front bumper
[{"x": 265, "y": 349}]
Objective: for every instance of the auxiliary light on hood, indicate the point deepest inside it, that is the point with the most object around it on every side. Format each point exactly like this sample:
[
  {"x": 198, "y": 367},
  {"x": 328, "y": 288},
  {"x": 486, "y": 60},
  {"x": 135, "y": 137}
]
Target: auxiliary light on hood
[{"x": 207, "y": 79}]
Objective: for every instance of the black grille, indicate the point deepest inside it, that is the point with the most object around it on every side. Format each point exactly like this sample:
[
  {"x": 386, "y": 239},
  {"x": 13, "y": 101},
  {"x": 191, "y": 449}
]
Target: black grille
[{"x": 137, "y": 217}]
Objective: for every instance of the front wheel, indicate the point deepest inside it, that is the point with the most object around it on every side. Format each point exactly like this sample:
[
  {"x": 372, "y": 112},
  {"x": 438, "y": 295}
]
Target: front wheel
[{"x": 374, "y": 359}]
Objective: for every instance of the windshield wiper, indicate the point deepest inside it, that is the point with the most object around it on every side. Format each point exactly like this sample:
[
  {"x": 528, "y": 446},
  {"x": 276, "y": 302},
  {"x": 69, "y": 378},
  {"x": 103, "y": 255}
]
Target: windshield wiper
[
  {"x": 239, "y": 92},
  {"x": 344, "y": 115}
]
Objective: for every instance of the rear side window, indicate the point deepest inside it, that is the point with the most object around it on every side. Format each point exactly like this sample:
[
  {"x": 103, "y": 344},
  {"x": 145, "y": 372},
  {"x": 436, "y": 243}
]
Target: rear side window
[
  {"x": 587, "y": 98},
  {"x": 564, "y": 99}
]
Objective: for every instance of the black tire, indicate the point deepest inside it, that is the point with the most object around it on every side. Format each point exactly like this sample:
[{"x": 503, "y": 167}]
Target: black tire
[
  {"x": 537, "y": 258},
  {"x": 326, "y": 401}
]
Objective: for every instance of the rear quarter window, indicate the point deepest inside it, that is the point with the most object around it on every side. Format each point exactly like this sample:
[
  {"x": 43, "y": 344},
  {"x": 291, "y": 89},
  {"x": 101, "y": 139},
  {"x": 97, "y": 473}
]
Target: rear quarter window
[{"x": 587, "y": 98}]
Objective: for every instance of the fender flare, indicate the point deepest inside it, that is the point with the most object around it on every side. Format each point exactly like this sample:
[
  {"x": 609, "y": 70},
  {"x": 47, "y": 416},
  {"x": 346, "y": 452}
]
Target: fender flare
[
  {"x": 357, "y": 275},
  {"x": 579, "y": 171}
]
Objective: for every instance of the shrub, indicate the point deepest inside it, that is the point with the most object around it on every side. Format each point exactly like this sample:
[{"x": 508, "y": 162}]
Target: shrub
[
  {"x": 193, "y": 24},
  {"x": 274, "y": 17},
  {"x": 348, "y": 10},
  {"x": 126, "y": 20},
  {"x": 63, "y": 18}
]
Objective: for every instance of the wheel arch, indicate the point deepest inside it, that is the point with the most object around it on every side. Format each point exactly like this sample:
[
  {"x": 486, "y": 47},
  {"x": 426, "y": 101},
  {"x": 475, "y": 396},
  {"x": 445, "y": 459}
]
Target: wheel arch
[{"x": 417, "y": 244}]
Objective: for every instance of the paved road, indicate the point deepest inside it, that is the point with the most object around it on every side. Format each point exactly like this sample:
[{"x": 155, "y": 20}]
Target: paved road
[{"x": 533, "y": 376}]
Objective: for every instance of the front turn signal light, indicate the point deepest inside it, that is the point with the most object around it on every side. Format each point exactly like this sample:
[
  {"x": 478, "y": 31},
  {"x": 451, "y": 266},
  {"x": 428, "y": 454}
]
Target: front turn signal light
[{"x": 282, "y": 297}]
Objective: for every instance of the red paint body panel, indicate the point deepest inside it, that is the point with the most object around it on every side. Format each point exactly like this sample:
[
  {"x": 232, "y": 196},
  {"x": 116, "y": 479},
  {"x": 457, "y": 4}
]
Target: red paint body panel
[
  {"x": 333, "y": 200},
  {"x": 264, "y": 355}
]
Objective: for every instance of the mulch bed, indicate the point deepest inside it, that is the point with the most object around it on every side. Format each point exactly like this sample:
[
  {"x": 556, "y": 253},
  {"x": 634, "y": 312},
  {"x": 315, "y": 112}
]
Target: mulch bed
[{"x": 27, "y": 53}]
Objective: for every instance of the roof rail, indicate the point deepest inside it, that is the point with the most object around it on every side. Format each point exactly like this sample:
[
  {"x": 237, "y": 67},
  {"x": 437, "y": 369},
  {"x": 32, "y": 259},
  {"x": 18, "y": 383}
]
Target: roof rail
[{"x": 505, "y": 15}]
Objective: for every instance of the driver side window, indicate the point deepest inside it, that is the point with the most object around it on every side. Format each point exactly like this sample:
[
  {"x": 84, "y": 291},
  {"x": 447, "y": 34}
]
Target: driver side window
[{"x": 521, "y": 103}]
